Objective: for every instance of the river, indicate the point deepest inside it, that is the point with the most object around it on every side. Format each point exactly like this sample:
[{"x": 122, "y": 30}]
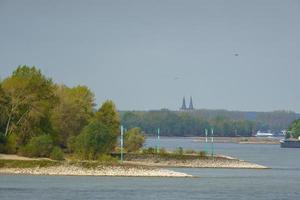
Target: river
[{"x": 280, "y": 182}]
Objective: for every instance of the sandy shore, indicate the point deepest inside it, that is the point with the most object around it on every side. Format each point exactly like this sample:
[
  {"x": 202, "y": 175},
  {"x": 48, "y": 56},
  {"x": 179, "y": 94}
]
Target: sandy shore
[
  {"x": 67, "y": 170},
  {"x": 143, "y": 165}
]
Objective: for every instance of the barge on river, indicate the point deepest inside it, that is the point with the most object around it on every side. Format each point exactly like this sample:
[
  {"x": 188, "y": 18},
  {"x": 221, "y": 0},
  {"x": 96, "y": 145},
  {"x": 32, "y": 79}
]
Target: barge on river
[{"x": 290, "y": 143}]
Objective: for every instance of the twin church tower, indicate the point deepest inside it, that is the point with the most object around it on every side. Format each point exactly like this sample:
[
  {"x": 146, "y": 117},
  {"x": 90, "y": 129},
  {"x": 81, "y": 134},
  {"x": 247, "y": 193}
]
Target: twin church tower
[{"x": 184, "y": 108}]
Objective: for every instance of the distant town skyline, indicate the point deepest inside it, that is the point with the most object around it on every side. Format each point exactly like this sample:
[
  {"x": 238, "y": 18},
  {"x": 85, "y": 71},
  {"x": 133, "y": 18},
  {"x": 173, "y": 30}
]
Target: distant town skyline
[{"x": 146, "y": 55}]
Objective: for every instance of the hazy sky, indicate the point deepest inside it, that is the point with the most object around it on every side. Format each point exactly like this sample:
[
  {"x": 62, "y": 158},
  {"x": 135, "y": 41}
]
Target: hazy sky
[{"x": 147, "y": 54}]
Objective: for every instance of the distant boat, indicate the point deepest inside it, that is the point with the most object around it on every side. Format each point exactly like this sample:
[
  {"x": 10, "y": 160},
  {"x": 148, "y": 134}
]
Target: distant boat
[
  {"x": 290, "y": 143},
  {"x": 264, "y": 134}
]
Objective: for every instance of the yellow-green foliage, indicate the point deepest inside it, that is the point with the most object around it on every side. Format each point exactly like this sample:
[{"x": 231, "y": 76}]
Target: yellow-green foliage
[
  {"x": 134, "y": 140},
  {"x": 30, "y": 97},
  {"x": 94, "y": 141},
  {"x": 40, "y": 146},
  {"x": 11, "y": 144},
  {"x": 57, "y": 154},
  {"x": 294, "y": 129},
  {"x": 109, "y": 116}
]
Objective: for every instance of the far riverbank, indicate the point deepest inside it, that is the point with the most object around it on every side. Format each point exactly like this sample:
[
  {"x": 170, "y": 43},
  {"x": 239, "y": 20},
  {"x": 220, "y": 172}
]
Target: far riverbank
[{"x": 241, "y": 140}]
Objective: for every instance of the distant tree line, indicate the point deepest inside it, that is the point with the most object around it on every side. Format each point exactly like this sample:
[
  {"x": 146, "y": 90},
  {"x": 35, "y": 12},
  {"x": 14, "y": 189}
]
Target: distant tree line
[{"x": 225, "y": 123}]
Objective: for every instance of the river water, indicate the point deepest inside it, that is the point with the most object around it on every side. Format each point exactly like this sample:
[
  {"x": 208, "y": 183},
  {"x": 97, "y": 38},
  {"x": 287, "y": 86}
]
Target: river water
[{"x": 280, "y": 182}]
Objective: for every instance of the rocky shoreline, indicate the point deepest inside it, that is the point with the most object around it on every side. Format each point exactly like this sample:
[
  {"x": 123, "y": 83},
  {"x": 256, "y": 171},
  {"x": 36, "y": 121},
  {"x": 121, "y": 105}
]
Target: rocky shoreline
[
  {"x": 135, "y": 165},
  {"x": 67, "y": 170}
]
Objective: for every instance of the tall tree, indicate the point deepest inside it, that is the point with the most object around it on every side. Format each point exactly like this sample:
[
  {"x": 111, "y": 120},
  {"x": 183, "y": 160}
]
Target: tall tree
[
  {"x": 3, "y": 108},
  {"x": 109, "y": 116},
  {"x": 29, "y": 98},
  {"x": 72, "y": 113}
]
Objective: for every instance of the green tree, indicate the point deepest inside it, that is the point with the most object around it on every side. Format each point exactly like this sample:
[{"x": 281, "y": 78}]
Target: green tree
[
  {"x": 29, "y": 96},
  {"x": 294, "y": 129},
  {"x": 3, "y": 108},
  {"x": 109, "y": 116},
  {"x": 95, "y": 140},
  {"x": 73, "y": 112},
  {"x": 134, "y": 140}
]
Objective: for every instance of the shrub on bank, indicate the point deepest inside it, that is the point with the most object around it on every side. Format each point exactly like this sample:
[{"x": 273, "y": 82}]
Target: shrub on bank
[
  {"x": 11, "y": 144},
  {"x": 94, "y": 141},
  {"x": 134, "y": 140},
  {"x": 39, "y": 146},
  {"x": 57, "y": 154}
]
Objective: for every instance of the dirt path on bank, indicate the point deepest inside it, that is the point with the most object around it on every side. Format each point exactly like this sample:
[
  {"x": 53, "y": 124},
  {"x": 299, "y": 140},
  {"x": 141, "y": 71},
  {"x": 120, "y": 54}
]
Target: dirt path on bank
[{"x": 16, "y": 157}]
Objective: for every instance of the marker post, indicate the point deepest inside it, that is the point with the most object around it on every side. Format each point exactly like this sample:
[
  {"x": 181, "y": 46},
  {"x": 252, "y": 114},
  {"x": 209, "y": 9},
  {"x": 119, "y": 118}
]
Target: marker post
[
  {"x": 212, "y": 143},
  {"x": 158, "y": 137},
  {"x": 206, "y": 140},
  {"x": 122, "y": 142}
]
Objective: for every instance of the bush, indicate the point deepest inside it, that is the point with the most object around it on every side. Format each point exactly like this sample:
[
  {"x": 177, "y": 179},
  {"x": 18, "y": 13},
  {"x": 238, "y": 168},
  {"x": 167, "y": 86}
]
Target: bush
[
  {"x": 95, "y": 140},
  {"x": 57, "y": 154},
  {"x": 134, "y": 140},
  {"x": 11, "y": 146},
  {"x": 40, "y": 146}
]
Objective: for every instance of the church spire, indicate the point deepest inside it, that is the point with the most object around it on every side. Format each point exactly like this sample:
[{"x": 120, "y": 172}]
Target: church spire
[
  {"x": 191, "y": 106},
  {"x": 183, "y": 107}
]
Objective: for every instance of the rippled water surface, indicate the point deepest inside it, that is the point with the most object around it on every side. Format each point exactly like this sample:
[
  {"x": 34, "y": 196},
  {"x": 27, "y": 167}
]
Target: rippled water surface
[{"x": 280, "y": 182}]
